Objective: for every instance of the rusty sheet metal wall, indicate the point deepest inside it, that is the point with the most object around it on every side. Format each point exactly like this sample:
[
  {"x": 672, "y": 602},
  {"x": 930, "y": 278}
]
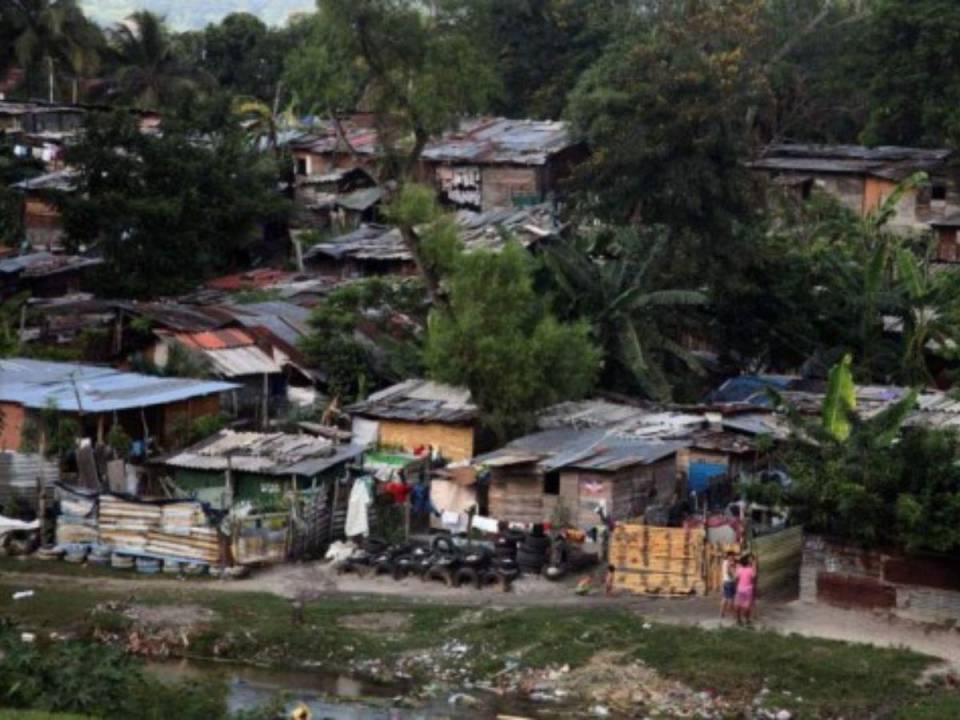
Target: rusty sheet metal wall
[
  {"x": 779, "y": 556},
  {"x": 18, "y": 480},
  {"x": 915, "y": 587}
]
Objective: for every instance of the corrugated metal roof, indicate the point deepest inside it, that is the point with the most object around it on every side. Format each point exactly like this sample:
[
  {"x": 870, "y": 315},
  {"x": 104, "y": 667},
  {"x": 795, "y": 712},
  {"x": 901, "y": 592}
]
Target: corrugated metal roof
[
  {"x": 603, "y": 450},
  {"x": 43, "y": 264},
  {"x": 588, "y": 413},
  {"x": 288, "y": 322},
  {"x": 893, "y": 163},
  {"x": 180, "y": 317},
  {"x": 35, "y": 384},
  {"x": 477, "y": 231},
  {"x": 501, "y": 141},
  {"x": 242, "y": 361},
  {"x": 215, "y": 339},
  {"x": 264, "y": 453},
  {"x": 419, "y": 401},
  {"x": 61, "y": 181}
]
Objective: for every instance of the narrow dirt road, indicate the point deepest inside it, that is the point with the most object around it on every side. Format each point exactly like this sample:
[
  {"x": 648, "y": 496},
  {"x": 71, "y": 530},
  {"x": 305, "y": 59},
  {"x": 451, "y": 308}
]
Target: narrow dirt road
[{"x": 314, "y": 581}]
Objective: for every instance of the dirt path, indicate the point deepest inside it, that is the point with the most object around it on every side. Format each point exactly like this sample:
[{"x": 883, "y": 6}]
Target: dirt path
[{"x": 312, "y": 581}]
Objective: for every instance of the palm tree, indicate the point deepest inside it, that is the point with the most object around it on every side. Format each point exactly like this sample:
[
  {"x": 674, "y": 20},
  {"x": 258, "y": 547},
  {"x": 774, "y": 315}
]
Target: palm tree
[
  {"x": 610, "y": 284},
  {"x": 261, "y": 123},
  {"x": 149, "y": 73},
  {"x": 42, "y": 36}
]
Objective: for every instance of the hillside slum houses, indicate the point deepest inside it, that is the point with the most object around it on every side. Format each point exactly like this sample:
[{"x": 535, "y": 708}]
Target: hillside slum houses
[
  {"x": 863, "y": 178},
  {"x": 375, "y": 249}
]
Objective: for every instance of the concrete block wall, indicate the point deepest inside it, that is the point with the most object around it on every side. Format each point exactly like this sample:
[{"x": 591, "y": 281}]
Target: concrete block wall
[{"x": 923, "y": 588}]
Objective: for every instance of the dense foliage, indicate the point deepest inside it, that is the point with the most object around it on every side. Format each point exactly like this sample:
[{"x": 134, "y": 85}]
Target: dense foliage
[
  {"x": 368, "y": 332},
  {"x": 167, "y": 210},
  {"x": 91, "y": 680},
  {"x": 874, "y": 482},
  {"x": 498, "y": 338}
]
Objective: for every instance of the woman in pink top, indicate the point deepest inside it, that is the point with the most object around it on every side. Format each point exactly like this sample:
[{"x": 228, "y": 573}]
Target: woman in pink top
[{"x": 746, "y": 590}]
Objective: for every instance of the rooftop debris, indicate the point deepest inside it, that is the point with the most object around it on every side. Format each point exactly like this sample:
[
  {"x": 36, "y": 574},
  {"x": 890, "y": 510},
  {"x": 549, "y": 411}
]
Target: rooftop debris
[
  {"x": 890, "y": 163},
  {"x": 419, "y": 401},
  {"x": 264, "y": 453},
  {"x": 44, "y": 264},
  {"x": 483, "y": 231},
  {"x": 490, "y": 141}
]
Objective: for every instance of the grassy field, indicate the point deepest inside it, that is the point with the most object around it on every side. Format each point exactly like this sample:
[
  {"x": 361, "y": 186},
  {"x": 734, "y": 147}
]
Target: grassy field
[{"x": 813, "y": 678}]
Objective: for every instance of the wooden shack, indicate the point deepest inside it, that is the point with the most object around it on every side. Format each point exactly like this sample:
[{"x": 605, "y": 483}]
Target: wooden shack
[
  {"x": 417, "y": 414},
  {"x": 570, "y": 476}
]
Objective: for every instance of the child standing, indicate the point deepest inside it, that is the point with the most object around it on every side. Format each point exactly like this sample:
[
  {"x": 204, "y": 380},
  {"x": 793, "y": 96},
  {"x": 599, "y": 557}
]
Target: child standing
[
  {"x": 746, "y": 590},
  {"x": 729, "y": 574}
]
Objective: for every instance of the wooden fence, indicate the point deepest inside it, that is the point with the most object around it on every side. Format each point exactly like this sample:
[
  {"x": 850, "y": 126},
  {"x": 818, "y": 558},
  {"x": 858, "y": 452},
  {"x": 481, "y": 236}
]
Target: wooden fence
[
  {"x": 779, "y": 556},
  {"x": 664, "y": 561},
  {"x": 680, "y": 561}
]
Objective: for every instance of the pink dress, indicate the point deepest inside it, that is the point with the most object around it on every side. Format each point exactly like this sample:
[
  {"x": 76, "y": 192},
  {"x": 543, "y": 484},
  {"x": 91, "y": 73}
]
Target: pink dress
[{"x": 746, "y": 583}]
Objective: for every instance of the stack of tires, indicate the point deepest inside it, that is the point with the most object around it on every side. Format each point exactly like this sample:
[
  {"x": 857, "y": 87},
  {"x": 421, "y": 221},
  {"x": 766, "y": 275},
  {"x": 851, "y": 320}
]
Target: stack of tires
[{"x": 534, "y": 551}]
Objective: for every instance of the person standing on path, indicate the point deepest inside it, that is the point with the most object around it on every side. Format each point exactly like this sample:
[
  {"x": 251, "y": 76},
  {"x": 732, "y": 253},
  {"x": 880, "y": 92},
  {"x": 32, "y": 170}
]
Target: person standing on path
[
  {"x": 729, "y": 575},
  {"x": 746, "y": 590}
]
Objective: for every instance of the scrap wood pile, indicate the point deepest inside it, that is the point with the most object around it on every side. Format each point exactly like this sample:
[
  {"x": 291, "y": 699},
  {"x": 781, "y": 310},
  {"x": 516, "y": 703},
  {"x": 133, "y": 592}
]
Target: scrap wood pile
[
  {"x": 475, "y": 565},
  {"x": 77, "y": 522},
  {"x": 124, "y": 525},
  {"x": 665, "y": 561},
  {"x": 110, "y": 528}
]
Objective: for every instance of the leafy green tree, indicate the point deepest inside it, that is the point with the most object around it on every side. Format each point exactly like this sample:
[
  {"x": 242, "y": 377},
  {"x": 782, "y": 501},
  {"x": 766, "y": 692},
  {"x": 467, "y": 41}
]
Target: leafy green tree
[
  {"x": 419, "y": 73},
  {"x": 612, "y": 285},
  {"x": 816, "y": 69},
  {"x": 368, "y": 332},
  {"x": 499, "y": 338},
  {"x": 167, "y": 211},
  {"x": 47, "y": 38},
  {"x": 664, "y": 112},
  {"x": 148, "y": 72},
  {"x": 912, "y": 54},
  {"x": 541, "y": 47}
]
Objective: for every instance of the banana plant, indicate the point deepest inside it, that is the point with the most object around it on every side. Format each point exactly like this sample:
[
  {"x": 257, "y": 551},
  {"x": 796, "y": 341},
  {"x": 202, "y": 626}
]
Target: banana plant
[{"x": 611, "y": 286}]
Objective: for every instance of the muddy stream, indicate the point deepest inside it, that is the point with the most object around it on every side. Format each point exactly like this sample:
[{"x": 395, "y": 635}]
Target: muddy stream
[{"x": 332, "y": 696}]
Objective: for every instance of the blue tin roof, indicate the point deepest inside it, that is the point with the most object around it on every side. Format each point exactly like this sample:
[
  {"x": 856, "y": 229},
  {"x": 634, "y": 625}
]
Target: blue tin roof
[{"x": 36, "y": 384}]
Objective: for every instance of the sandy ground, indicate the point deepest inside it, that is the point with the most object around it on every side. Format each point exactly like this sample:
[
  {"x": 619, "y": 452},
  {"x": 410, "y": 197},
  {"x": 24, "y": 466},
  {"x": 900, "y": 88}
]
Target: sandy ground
[{"x": 310, "y": 581}]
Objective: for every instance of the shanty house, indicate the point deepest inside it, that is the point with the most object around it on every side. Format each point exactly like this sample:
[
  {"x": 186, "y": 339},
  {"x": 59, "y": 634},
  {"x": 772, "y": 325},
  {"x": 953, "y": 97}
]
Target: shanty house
[
  {"x": 862, "y": 178},
  {"x": 374, "y": 249},
  {"x": 147, "y": 407},
  {"x": 43, "y": 274},
  {"x": 947, "y": 232},
  {"x": 416, "y": 414},
  {"x": 39, "y": 117},
  {"x": 42, "y": 219},
  {"x": 232, "y": 355},
  {"x": 569, "y": 474},
  {"x": 258, "y": 467},
  {"x": 341, "y": 199},
  {"x": 497, "y": 162},
  {"x": 323, "y": 150}
]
